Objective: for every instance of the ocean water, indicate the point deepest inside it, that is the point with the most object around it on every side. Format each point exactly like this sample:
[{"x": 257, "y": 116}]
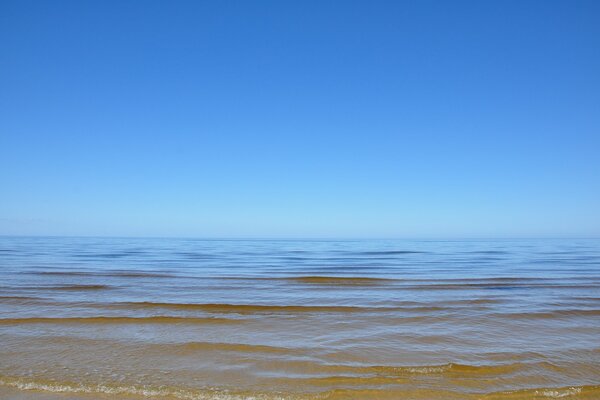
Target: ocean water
[{"x": 121, "y": 318}]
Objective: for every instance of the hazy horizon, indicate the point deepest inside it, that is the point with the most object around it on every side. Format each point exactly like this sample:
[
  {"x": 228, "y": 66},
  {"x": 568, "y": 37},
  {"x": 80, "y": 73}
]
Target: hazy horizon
[{"x": 316, "y": 238}]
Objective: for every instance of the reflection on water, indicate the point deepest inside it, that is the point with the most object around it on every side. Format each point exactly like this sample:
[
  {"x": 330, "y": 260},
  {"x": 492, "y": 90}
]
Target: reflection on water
[{"x": 207, "y": 319}]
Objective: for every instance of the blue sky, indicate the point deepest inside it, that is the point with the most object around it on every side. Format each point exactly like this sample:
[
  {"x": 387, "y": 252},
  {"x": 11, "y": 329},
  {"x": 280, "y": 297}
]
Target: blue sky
[{"x": 300, "y": 118}]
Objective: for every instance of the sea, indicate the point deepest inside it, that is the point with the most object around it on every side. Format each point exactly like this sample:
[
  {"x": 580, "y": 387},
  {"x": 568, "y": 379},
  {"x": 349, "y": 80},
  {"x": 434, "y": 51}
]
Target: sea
[{"x": 165, "y": 318}]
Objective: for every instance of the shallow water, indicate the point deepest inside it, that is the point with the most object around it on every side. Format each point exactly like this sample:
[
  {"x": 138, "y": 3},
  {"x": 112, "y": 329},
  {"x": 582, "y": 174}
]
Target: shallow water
[{"x": 205, "y": 319}]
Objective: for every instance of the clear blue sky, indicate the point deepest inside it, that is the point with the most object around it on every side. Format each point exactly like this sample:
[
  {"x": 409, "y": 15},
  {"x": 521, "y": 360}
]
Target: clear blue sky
[{"x": 300, "y": 118}]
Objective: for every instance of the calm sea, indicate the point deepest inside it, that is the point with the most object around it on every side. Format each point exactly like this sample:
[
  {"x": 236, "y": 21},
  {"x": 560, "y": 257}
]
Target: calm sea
[{"x": 100, "y": 318}]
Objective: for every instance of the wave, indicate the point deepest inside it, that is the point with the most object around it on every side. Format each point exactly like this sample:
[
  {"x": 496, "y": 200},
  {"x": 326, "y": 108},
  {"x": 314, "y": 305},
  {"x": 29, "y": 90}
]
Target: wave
[
  {"x": 116, "y": 320},
  {"x": 220, "y": 346},
  {"x": 568, "y": 392},
  {"x": 140, "y": 275},
  {"x": 422, "y": 283},
  {"x": 69, "y": 287},
  {"x": 119, "y": 274},
  {"x": 247, "y": 308},
  {"x": 450, "y": 369},
  {"x": 381, "y": 382},
  {"x": 79, "y": 287},
  {"x": 60, "y": 273},
  {"x": 339, "y": 280},
  {"x": 196, "y": 256},
  {"x": 393, "y": 391},
  {"x": 498, "y": 286},
  {"x": 478, "y": 283},
  {"x": 400, "y": 308},
  {"x": 585, "y": 298},
  {"x": 265, "y": 308},
  {"x": 572, "y": 392},
  {"x": 486, "y": 252},
  {"x": 344, "y": 374},
  {"x": 551, "y": 314},
  {"x": 388, "y": 252},
  {"x": 477, "y": 301},
  {"x": 118, "y": 254},
  {"x": 146, "y": 391},
  {"x": 453, "y": 368},
  {"x": 9, "y": 298}
]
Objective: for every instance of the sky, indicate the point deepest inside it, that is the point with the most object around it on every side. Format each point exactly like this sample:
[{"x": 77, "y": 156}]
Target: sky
[{"x": 287, "y": 119}]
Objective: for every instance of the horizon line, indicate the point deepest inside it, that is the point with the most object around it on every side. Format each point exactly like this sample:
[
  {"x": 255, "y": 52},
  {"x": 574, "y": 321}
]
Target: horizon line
[{"x": 304, "y": 238}]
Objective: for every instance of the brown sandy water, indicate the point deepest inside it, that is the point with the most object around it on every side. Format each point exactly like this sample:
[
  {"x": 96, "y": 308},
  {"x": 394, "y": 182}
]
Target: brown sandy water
[{"x": 90, "y": 318}]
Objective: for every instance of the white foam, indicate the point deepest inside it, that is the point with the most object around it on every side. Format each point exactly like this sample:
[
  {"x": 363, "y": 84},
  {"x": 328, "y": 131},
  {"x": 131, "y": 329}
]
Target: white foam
[
  {"x": 131, "y": 390},
  {"x": 558, "y": 393},
  {"x": 428, "y": 369}
]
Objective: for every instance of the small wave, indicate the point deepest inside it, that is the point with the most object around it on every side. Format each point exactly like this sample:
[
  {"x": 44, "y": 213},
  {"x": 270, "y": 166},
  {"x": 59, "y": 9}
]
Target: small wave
[
  {"x": 450, "y": 368},
  {"x": 498, "y": 286},
  {"x": 551, "y": 314},
  {"x": 19, "y": 298},
  {"x": 140, "y": 275},
  {"x": 61, "y": 273},
  {"x": 208, "y": 393},
  {"x": 558, "y": 393},
  {"x": 487, "y": 252},
  {"x": 120, "y": 274},
  {"x": 260, "y": 308},
  {"x": 392, "y": 394},
  {"x": 467, "y": 302},
  {"x": 245, "y": 308},
  {"x": 232, "y": 347},
  {"x": 145, "y": 390},
  {"x": 79, "y": 287},
  {"x": 116, "y": 320},
  {"x": 196, "y": 256},
  {"x": 584, "y": 392},
  {"x": 585, "y": 298},
  {"x": 339, "y": 280},
  {"x": 119, "y": 254},
  {"x": 388, "y": 252},
  {"x": 70, "y": 287}
]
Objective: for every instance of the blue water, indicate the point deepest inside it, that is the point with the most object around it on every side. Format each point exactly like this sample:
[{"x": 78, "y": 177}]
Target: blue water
[{"x": 303, "y": 318}]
